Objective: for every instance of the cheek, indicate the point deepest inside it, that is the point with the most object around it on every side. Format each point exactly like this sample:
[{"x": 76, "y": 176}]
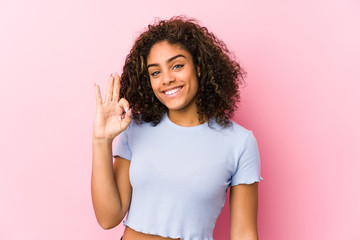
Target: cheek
[
  {"x": 153, "y": 85},
  {"x": 195, "y": 85},
  {"x": 154, "y": 88}
]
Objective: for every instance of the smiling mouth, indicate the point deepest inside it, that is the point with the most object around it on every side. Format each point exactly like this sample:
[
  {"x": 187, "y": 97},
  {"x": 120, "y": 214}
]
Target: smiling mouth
[{"x": 173, "y": 91}]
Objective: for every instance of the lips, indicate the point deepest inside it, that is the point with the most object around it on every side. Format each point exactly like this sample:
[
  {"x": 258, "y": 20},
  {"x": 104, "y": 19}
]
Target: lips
[{"x": 172, "y": 90}]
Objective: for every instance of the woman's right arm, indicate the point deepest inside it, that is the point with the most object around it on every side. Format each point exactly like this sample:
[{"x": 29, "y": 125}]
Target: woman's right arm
[{"x": 110, "y": 184}]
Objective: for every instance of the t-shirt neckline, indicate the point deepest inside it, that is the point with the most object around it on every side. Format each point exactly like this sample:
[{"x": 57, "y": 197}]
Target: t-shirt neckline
[{"x": 174, "y": 125}]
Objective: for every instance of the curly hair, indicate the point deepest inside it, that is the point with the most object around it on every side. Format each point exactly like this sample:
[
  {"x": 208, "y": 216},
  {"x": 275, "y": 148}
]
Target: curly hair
[{"x": 218, "y": 92}]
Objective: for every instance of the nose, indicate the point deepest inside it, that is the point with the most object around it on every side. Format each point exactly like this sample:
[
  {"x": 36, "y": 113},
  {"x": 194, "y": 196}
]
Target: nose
[{"x": 168, "y": 77}]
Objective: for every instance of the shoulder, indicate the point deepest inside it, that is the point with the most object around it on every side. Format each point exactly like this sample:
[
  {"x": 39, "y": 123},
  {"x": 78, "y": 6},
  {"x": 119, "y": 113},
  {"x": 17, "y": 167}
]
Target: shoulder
[
  {"x": 234, "y": 136},
  {"x": 238, "y": 129},
  {"x": 234, "y": 129}
]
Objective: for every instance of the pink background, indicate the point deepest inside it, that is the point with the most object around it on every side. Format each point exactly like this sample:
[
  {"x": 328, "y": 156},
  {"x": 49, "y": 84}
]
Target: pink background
[{"x": 302, "y": 102}]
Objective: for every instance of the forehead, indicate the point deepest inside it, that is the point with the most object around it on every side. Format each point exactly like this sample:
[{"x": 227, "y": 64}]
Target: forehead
[{"x": 162, "y": 51}]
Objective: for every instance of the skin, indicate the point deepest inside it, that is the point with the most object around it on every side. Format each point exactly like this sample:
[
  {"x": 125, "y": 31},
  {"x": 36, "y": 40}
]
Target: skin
[{"x": 169, "y": 67}]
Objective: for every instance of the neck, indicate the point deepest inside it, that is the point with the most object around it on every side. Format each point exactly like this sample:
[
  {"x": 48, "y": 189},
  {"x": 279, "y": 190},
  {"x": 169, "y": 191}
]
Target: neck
[{"x": 185, "y": 117}]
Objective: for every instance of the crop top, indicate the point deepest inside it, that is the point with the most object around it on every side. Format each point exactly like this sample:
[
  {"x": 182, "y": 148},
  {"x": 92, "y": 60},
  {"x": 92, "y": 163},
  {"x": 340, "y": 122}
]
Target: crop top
[{"x": 179, "y": 175}]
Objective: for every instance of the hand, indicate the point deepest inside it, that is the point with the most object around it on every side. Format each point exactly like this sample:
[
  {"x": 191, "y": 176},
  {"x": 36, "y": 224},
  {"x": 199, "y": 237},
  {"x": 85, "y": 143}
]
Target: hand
[{"x": 113, "y": 116}]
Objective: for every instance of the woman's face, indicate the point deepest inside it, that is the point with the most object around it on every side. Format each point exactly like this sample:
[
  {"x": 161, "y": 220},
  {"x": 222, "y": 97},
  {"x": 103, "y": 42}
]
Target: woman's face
[{"x": 173, "y": 76}]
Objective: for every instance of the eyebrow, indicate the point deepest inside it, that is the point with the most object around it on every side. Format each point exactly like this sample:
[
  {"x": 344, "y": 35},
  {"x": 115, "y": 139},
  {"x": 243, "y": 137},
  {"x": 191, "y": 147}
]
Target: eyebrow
[{"x": 169, "y": 60}]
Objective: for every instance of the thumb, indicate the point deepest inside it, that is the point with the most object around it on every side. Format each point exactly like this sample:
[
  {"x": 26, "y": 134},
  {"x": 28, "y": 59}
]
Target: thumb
[
  {"x": 129, "y": 113},
  {"x": 127, "y": 119}
]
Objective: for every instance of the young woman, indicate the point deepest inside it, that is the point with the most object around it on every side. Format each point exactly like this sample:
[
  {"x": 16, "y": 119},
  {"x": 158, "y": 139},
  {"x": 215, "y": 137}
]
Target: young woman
[{"x": 177, "y": 151}]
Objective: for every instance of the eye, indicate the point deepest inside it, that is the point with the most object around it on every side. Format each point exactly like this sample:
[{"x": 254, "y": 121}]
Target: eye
[
  {"x": 155, "y": 73},
  {"x": 177, "y": 66}
]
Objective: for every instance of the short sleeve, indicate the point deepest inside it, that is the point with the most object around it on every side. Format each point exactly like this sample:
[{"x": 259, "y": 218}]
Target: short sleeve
[
  {"x": 122, "y": 148},
  {"x": 248, "y": 167}
]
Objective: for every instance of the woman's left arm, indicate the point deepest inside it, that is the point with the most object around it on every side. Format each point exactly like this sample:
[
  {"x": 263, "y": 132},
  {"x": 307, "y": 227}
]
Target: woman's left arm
[{"x": 243, "y": 212}]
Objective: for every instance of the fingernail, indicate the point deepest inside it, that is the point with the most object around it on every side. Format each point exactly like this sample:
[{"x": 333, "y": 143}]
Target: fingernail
[
  {"x": 126, "y": 109},
  {"x": 110, "y": 74}
]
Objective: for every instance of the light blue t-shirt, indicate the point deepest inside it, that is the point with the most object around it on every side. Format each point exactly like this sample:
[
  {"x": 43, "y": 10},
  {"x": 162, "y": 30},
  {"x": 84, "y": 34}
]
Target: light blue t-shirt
[{"x": 179, "y": 175}]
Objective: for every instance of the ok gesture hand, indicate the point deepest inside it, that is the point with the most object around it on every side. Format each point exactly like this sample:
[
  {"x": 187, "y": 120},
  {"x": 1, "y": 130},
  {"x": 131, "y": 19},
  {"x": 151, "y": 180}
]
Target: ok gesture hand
[{"x": 113, "y": 115}]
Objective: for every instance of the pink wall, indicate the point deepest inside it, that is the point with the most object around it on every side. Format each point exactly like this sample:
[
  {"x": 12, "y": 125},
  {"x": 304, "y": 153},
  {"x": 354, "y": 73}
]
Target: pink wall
[{"x": 302, "y": 102}]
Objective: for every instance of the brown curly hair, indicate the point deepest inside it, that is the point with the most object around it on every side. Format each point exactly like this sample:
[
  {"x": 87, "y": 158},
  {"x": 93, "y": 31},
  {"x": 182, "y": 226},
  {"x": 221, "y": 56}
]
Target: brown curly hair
[{"x": 221, "y": 76}]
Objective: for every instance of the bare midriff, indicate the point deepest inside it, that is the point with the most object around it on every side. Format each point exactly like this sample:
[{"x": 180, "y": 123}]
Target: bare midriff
[{"x": 131, "y": 234}]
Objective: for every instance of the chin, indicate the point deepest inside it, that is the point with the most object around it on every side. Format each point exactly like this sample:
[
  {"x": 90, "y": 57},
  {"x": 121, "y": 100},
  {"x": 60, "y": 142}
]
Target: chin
[
  {"x": 179, "y": 106},
  {"x": 174, "y": 107}
]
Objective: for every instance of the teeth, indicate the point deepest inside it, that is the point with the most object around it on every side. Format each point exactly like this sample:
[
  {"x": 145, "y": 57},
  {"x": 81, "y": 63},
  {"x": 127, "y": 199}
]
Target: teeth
[{"x": 172, "y": 91}]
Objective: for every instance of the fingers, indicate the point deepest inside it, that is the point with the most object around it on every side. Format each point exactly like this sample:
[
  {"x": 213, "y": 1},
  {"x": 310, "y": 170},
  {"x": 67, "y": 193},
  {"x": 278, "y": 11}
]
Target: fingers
[
  {"x": 124, "y": 104},
  {"x": 127, "y": 118},
  {"x": 116, "y": 91},
  {"x": 97, "y": 94},
  {"x": 109, "y": 91}
]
